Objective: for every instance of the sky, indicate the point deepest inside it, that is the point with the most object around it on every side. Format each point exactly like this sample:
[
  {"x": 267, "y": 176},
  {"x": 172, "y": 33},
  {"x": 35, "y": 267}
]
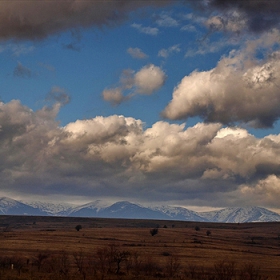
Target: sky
[{"x": 154, "y": 102}]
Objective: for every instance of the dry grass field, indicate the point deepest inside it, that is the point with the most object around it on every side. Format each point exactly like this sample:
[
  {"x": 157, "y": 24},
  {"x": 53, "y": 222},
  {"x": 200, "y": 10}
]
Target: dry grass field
[{"x": 51, "y": 248}]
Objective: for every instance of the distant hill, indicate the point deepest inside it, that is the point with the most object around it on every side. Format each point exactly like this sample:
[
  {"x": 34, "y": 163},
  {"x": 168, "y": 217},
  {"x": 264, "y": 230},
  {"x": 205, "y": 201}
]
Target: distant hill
[
  {"x": 128, "y": 210},
  {"x": 241, "y": 215},
  {"x": 10, "y": 206}
]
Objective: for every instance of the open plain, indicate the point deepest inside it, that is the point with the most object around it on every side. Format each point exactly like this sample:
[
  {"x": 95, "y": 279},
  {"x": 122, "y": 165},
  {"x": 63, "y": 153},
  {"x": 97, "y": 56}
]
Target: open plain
[{"x": 53, "y": 248}]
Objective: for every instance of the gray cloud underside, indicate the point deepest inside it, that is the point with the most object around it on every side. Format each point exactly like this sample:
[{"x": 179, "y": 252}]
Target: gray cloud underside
[
  {"x": 39, "y": 19},
  {"x": 116, "y": 156},
  {"x": 261, "y": 15}
]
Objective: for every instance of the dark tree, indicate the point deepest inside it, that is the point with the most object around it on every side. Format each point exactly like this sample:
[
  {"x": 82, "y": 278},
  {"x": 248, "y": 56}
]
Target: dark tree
[
  {"x": 78, "y": 227},
  {"x": 208, "y": 232},
  {"x": 154, "y": 231},
  {"x": 197, "y": 228}
]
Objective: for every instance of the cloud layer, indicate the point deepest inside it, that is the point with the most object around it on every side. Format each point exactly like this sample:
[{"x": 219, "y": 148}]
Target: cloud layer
[{"x": 117, "y": 156}]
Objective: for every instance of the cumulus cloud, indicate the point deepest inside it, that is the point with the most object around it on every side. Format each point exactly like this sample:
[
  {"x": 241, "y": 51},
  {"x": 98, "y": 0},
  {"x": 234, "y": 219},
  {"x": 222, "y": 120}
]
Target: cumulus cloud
[
  {"x": 115, "y": 155},
  {"x": 149, "y": 79},
  {"x": 263, "y": 192},
  {"x": 146, "y": 81},
  {"x": 114, "y": 96},
  {"x": 137, "y": 53},
  {"x": 240, "y": 88}
]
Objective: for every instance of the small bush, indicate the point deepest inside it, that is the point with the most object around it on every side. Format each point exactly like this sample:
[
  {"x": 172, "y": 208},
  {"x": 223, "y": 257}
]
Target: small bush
[
  {"x": 78, "y": 227},
  {"x": 154, "y": 231}
]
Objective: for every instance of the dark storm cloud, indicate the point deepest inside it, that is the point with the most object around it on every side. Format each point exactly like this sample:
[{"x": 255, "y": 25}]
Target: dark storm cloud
[
  {"x": 261, "y": 15},
  {"x": 38, "y": 19}
]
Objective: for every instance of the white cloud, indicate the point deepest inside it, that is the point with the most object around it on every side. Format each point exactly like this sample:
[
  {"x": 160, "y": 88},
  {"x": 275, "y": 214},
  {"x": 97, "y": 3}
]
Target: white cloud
[
  {"x": 206, "y": 164},
  {"x": 240, "y": 88},
  {"x": 153, "y": 31},
  {"x": 189, "y": 28},
  {"x": 137, "y": 53},
  {"x": 165, "y": 20},
  {"x": 166, "y": 52},
  {"x": 149, "y": 79},
  {"x": 146, "y": 81},
  {"x": 113, "y": 95},
  {"x": 264, "y": 192},
  {"x": 230, "y": 22}
]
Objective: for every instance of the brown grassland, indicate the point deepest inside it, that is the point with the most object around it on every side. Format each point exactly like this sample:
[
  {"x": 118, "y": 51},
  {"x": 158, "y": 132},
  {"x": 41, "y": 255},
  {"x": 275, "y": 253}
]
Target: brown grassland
[{"x": 51, "y": 248}]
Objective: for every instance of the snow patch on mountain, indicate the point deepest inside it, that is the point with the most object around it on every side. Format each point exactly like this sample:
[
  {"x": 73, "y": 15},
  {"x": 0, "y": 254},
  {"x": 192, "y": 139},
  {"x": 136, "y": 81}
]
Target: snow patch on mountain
[
  {"x": 53, "y": 209},
  {"x": 179, "y": 213}
]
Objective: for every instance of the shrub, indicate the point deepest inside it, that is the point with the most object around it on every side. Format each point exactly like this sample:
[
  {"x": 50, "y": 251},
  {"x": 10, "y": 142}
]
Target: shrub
[
  {"x": 78, "y": 227},
  {"x": 154, "y": 231}
]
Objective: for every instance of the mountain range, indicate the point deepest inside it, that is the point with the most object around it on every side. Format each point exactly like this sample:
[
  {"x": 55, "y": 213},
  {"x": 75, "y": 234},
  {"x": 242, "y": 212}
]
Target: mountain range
[{"x": 128, "y": 210}]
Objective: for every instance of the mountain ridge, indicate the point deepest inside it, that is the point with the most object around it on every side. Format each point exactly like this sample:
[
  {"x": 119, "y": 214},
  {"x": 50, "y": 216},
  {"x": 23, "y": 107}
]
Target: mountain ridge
[{"x": 129, "y": 210}]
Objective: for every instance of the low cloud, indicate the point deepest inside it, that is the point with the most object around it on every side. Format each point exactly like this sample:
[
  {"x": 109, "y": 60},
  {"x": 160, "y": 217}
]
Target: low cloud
[
  {"x": 116, "y": 156},
  {"x": 114, "y": 96},
  {"x": 146, "y": 81},
  {"x": 137, "y": 53},
  {"x": 149, "y": 79},
  {"x": 241, "y": 88}
]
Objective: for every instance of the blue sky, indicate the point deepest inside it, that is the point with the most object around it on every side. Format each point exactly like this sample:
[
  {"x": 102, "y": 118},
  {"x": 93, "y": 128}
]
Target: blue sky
[{"x": 171, "y": 102}]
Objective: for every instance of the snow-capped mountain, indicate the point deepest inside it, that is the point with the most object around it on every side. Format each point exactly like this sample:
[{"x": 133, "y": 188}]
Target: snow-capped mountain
[
  {"x": 241, "y": 215},
  {"x": 122, "y": 209},
  {"x": 10, "y": 206},
  {"x": 91, "y": 209},
  {"x": 125, "y": 209},
  {"x": 51, "y": 209},
  {"x": 180, "y": 213}
]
